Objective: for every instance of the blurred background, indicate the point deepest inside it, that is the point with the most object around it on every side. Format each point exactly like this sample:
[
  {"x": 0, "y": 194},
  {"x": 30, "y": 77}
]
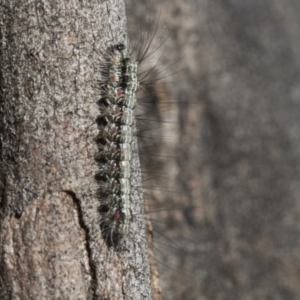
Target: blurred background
[{"x": 226, "y": 147}]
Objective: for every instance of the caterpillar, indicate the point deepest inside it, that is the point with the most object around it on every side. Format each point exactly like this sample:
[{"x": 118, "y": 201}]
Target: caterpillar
[{"x": 114, "y": 142}]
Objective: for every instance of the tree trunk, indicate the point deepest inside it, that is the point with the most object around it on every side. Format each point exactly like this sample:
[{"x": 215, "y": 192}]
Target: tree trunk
[{"x": 50, "y": 238}]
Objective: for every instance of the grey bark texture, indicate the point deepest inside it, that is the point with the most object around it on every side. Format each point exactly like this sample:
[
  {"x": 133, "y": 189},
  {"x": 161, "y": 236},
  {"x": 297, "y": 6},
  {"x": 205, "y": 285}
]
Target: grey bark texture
[
  {"x": 50, "y": 239},
  {"x": 235, "y": 147}
]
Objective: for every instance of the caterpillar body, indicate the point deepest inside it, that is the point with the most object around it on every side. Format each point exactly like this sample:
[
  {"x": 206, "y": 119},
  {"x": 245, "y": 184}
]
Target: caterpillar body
[{"x": 114, "y": 142}]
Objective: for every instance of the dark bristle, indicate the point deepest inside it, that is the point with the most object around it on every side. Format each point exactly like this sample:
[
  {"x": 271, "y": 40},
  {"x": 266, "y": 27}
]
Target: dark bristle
[{"x": 120, "y": 47}]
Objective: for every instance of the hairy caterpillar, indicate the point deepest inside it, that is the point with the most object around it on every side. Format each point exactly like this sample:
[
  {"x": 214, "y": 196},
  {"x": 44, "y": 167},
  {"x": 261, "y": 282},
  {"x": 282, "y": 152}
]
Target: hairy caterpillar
[{"x": 114, "y": 143}]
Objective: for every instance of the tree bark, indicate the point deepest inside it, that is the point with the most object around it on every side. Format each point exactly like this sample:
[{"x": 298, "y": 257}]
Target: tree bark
[{"x": 50, "y": 238}]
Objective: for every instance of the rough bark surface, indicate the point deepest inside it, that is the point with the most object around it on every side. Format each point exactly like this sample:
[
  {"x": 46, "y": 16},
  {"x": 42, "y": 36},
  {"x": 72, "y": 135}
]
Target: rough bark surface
[
  {"x": 235, "y": 106},
  {"x": 50, "y": 240}
]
